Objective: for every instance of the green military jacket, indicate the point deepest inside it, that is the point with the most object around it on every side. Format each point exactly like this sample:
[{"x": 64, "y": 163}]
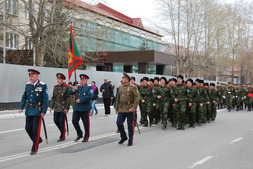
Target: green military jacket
[
  {"x": 128, "y": 97},
  {"x": 155, "y": 92},
  {"x": 240, "y": 92},
  {"x": 60, "y": 98},
  {"x": 202, "y": 96},
  {"x": 146, "y": 93},
  {"x": 165, "y": 93},
  {"x": 213, "y": 95},
  {"x": 180, "y": 92},
  {"x": 191, "y": 94},
  {"x": 231, "y": 91}
]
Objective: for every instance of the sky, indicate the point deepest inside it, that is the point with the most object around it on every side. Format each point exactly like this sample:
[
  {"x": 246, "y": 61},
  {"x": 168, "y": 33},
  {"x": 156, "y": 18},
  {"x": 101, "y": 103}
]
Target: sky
[{"x": 137, "y": 8}]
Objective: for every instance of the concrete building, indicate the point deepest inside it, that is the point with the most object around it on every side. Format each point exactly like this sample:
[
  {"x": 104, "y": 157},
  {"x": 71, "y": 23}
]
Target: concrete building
[{"x": 99, "y": 30}]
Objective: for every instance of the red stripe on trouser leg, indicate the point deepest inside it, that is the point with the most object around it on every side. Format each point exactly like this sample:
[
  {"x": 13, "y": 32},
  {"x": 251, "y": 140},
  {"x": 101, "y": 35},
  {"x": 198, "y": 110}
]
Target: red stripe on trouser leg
[
  {"x": 88, "y": 134},
  {"x": 64, "y": 127},
  {"x": 133, "y": 127},
  {"x": 36, "y": 147}
]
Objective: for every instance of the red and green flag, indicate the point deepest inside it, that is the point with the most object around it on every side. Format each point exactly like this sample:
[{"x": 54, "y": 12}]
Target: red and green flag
[{"x": 74, "y": 57}]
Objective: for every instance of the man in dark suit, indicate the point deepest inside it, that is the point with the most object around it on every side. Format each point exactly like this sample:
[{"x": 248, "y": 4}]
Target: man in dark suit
[{"x": 107, "y": 90}]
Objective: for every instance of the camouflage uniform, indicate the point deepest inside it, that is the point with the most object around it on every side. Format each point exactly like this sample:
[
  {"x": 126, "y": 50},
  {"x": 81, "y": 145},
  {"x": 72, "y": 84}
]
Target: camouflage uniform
[
  {"x": 223, "y": 97},
  {"x": 146, "y": 95},
  {"x": 164, "y": 103},
  {"x": 249, "y": 98},
  {"x": 200, "y": 99},
  {"x": 240, "y": 93},
  {"x": 208, "y": 105},
  {"x": 180, "y": 110},
  {"x": 214, "y": 99},
  {"x": 191, "y": 110},
  {"x": 230, "y": 95},
  {"x": 156, "y": 109}
]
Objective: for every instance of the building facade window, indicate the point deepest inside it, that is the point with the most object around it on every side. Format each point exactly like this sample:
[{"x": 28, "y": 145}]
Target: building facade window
[
  {"x": 11, "y": 40},
  {"x": 11, "y": 7}
]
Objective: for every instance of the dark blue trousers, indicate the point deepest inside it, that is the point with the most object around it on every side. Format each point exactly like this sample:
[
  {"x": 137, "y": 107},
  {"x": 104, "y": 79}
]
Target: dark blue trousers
[
  {"x": 32, "y": 127},
  {"x": 130, "y": 124},
  {"x": 85, "y": 116},
  {"x": 59, "y": 120}
]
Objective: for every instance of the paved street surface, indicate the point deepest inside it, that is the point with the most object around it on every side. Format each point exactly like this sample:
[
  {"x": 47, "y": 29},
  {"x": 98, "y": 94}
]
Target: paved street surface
[{"x": 226, "y": 143}]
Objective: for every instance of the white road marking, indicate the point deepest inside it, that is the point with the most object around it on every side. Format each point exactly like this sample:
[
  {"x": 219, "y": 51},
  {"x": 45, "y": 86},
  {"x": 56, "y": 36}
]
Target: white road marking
[
  {"x": 201, "y": 161},
  {"x": 15, "y": 130},
  {"x": 9, "y": 131},
  {"x": 236, "y": 140},
  {"x": 15, "y": 156},
  {"x": 108, "y": 117}
]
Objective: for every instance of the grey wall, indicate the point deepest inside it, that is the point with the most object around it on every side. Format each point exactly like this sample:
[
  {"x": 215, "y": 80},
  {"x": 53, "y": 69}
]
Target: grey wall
[{"x": 14, "y": 77}]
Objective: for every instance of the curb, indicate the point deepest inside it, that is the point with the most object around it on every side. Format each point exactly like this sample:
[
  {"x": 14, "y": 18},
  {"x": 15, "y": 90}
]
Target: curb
[{"x": 10, "y": 115}]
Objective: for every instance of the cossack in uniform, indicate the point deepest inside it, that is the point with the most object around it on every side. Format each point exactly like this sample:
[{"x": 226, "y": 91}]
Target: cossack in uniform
[
  {"x": 82, "y": 110},
  {"x": 35, "y": 98},
  {"x": 60, "y": 101}
]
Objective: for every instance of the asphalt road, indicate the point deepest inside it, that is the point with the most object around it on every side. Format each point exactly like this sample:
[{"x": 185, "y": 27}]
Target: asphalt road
[{"x": 223, "y": 144}]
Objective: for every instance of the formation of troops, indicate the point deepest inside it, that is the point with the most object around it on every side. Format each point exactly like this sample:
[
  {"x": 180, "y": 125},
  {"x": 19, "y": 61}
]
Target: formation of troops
[
  {"x": 180, "y": 102},
  {"x": 173, "y": 101}
]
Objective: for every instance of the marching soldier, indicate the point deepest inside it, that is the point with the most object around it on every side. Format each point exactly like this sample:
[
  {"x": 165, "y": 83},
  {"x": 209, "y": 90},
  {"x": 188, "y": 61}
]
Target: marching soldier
[
  {"x": 230, "y": 95},
  {"x": 214, "y": 99},
  {"x": 171, "y": 112},
  {"x": 164, "y": 99},
  {"x": 208, "y": 104},
  {"x": 191, "y": 106},
  {"x": 201, "y": 100},
  {"x": 155, "y": 102},
  {"x": 60, "y": 102},
  {"x": 36, "y": 98},
  {"x": 223, "y": 98},
  {"x": 82, "y": 107},
  {"x": 126, "y": 104},
  {"x": 145, "y": 101},
  {"x": 249, "y": 97},
  {"x": 180, "y": 95}
]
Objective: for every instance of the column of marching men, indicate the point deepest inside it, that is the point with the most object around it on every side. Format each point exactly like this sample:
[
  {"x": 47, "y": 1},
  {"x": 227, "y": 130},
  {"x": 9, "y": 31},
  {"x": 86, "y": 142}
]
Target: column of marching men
[
  {"x": 177, "y": 102},
  {"x": 173, "y": 101},
  {"x": 187, "y": 102}
]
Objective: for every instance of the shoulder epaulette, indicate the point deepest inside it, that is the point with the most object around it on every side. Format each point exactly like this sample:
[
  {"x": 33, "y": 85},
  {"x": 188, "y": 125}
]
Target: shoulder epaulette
[
  {"x": 185, "y": 85},
  {"x": 65, "y": 84},
  {"x": 28, "y": 83},
  {"x": 41, "y": 83},
  {"x": 168, "y": 85},
  {"x": 56, "y": 85},
  {"x": 205, "y": 87},
  {"x": 150, "y": 86}
]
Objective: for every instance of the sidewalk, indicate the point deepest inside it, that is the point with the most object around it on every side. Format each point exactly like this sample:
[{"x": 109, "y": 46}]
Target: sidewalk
[{"x": 8, "y": 114}]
